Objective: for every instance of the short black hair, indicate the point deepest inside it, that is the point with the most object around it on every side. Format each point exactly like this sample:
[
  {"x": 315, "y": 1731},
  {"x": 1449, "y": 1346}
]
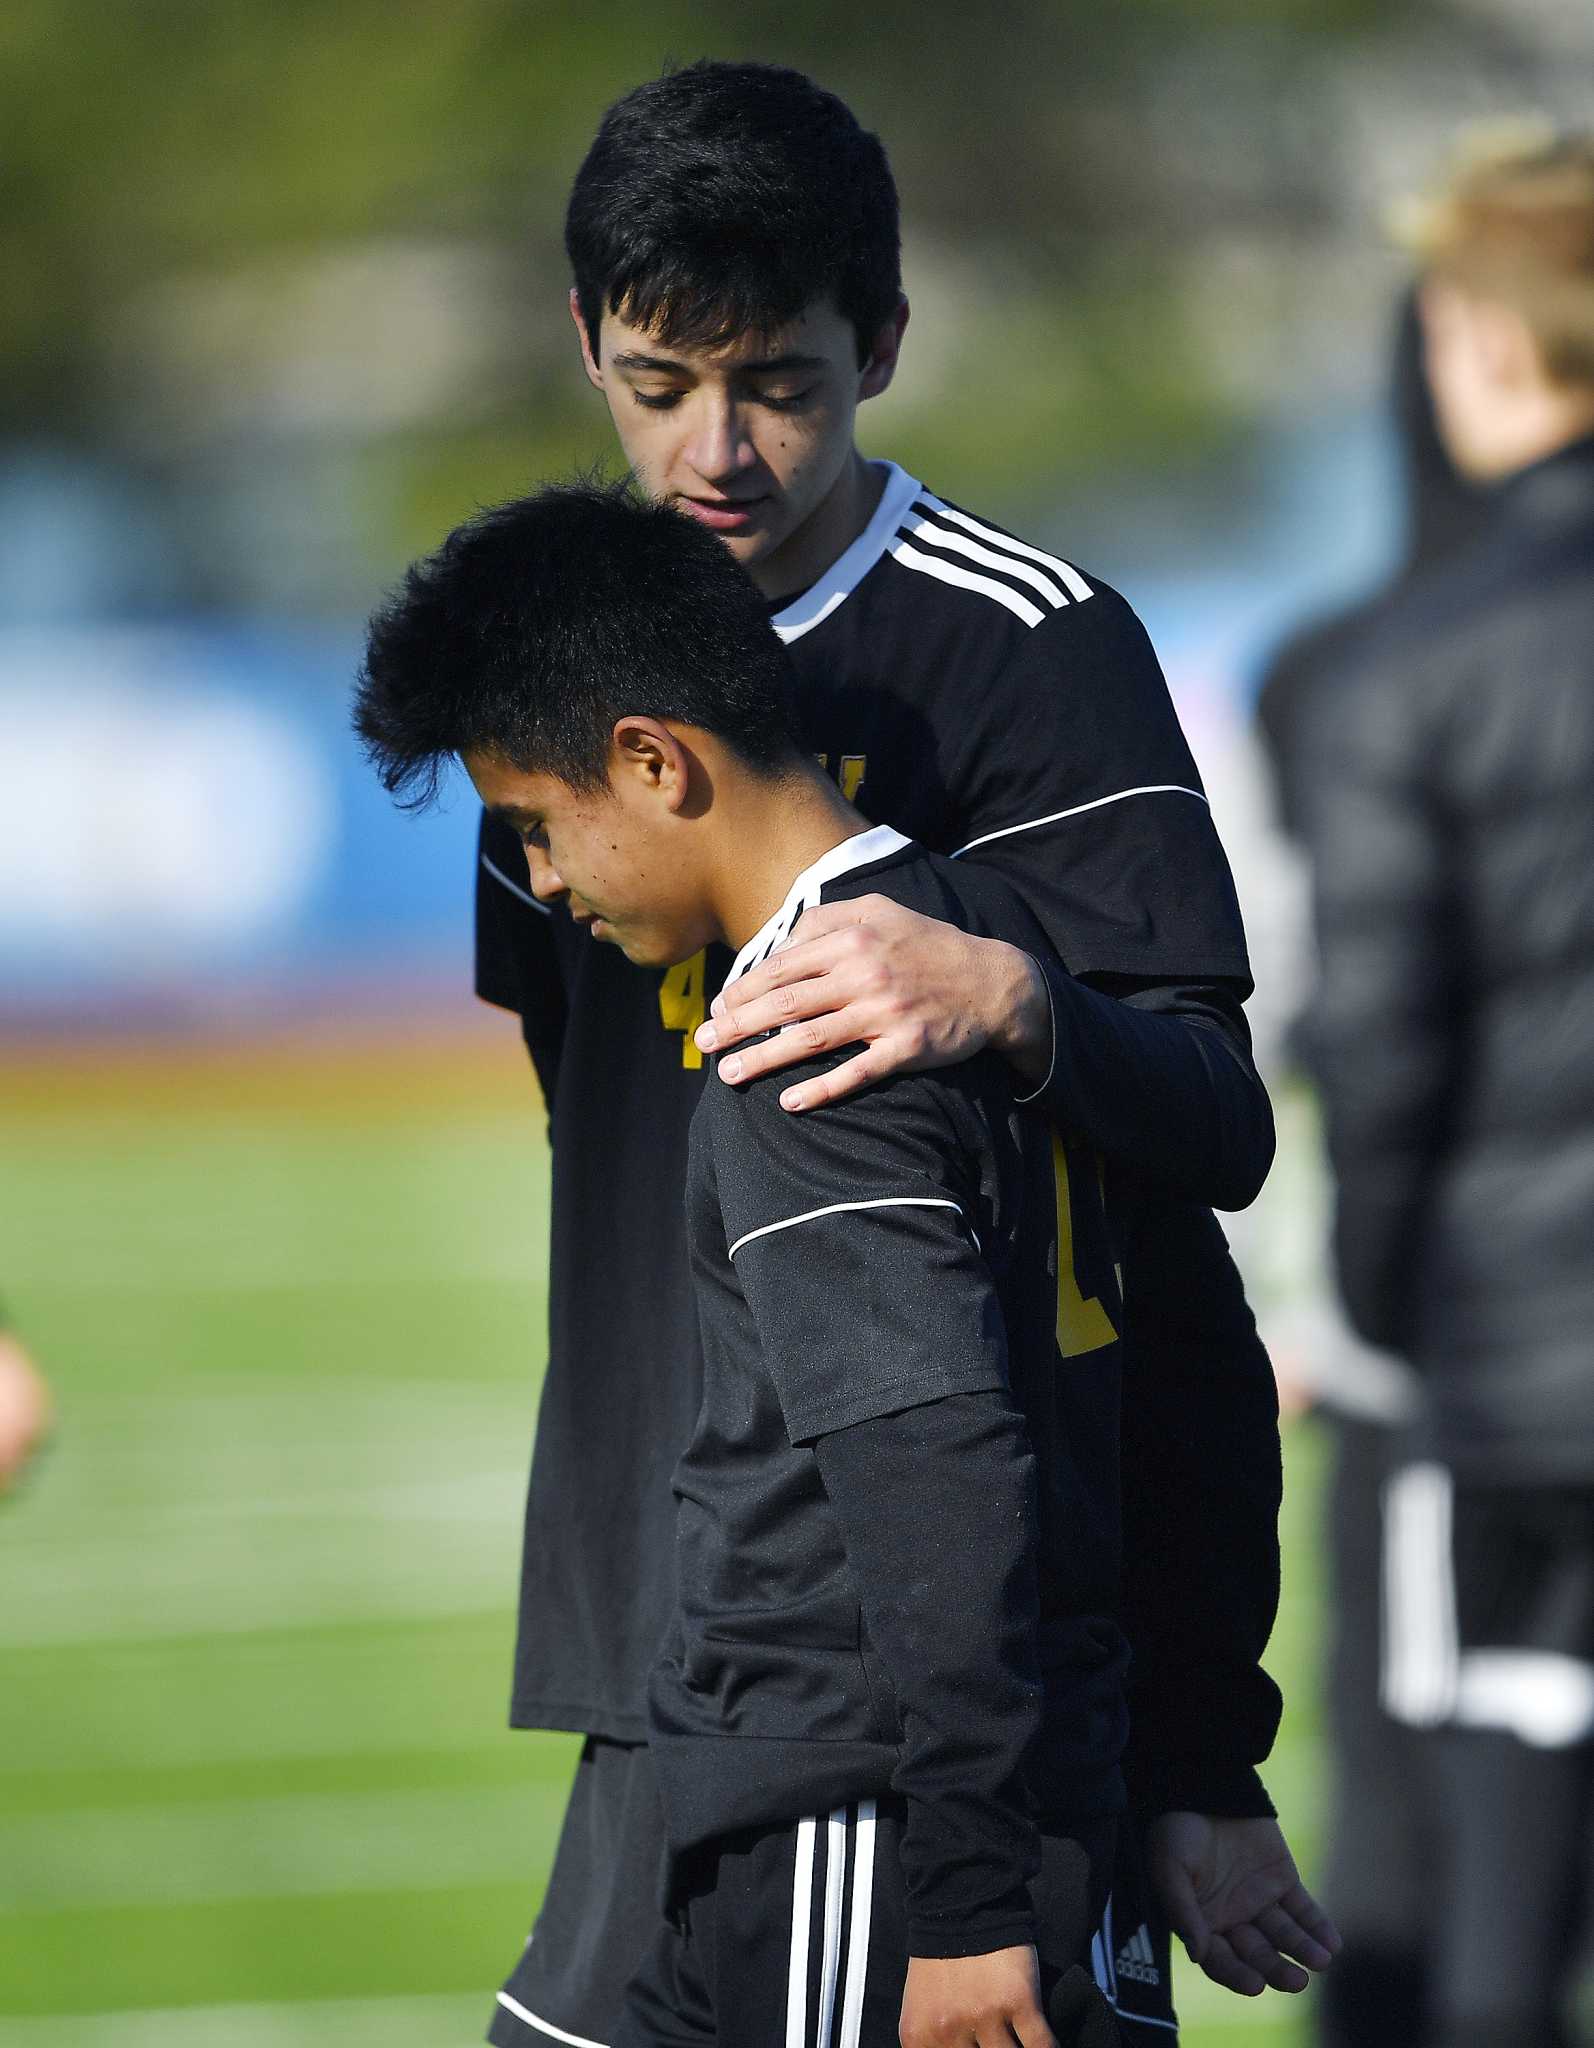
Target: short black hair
[
  {"x": 724, "y": 198},
  {"x": 539, "y": 623}
]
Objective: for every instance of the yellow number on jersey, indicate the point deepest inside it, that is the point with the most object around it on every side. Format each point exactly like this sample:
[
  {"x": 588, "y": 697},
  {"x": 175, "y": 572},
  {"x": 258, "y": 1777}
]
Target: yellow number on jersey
[
  {"x": 850, "y": 772},
  {"x": 1082, "y": 1322},
  {"x": 681, "y": 1005}
]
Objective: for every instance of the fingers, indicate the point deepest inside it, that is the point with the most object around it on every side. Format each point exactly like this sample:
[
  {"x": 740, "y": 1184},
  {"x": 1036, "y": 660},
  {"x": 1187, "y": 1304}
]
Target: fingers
[
  {"x": 736, "y": 1014},
  {"x": 1255, "y": 1952},
  {"x": 1031, "y": 2029},
  {"x": 1223, "y": 1966},
  {"x": 847, "y": 1079},
  {"x": 801, "y": 1041},
  {"x": 1315, "y": 1930},
  {"x": 1290, "y": 1934},
  {"x": 805, "y": 981},
  {"x": 829, "y": 959}
]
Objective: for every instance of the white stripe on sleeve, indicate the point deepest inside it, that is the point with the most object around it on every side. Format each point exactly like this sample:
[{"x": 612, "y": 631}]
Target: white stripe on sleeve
[
  {"x": 972, "y": 551},
  {"x": 1071, "y": 577},
  {"x": 1077, "y": 810},
  {"x": 948, "y": 572},
  {"x": 837, "y": 1208}
]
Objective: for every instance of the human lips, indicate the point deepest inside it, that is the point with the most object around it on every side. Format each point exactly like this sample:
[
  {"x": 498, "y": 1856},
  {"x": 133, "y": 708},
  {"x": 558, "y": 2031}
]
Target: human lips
[{"x": 722, "y": 515}]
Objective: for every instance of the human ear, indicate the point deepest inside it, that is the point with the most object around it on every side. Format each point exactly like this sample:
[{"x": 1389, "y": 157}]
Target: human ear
[
  {"x": 653, "y": 759},
  {"x": 589, "y": 361},
  {"x": 884, "y": 351}
]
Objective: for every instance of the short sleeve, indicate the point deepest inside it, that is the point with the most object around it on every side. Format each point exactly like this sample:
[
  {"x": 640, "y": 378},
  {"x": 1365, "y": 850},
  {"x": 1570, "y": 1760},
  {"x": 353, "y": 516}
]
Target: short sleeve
[
  {"x": 512, "y": 928},
  {"x": 517, "y": 956},
  {"x": 853, "y": 1243},
  {"x": 1077, "y": 783}
]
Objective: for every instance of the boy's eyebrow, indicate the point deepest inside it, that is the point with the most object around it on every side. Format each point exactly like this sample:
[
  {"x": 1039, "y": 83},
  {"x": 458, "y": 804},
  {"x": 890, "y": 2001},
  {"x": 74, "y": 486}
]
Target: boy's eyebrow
[
  {"x": 512, "y": 814},
  {"x": 634, "y": 359}
]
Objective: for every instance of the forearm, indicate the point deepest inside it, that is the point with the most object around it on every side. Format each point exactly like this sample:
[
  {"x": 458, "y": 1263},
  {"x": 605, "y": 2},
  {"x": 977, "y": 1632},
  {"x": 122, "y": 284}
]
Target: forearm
[
  {"x": 1156, "y": 1077},
  {"x": 937, "y": 1508},
  {"x": 1202, "y": 1485}
]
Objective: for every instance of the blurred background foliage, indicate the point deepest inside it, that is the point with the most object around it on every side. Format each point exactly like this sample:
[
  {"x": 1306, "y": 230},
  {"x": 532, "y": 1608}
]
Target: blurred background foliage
[{"x": 291, "y": 274}]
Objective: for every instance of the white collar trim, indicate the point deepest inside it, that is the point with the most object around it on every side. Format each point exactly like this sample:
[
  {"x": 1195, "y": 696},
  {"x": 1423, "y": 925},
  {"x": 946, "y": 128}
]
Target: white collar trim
[
  {"x": 860, "y": 851},
  {"x": 850, "y": 567}
]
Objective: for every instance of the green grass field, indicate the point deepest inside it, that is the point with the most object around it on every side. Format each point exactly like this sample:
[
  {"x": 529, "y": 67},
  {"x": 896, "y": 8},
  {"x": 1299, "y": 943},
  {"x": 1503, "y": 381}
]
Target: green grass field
[{"x": 255, "y": 1606}]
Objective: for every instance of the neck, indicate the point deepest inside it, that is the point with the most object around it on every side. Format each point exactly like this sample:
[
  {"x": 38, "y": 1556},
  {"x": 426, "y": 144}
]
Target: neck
[
  {"x": 828, "y": 531},
  {"x": 769, "y": 833}
]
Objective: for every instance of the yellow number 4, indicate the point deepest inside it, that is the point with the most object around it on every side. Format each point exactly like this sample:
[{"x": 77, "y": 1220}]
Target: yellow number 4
[
  {"x": 1082, "y": 1322},
  {"x": 681, "y": 1005}
]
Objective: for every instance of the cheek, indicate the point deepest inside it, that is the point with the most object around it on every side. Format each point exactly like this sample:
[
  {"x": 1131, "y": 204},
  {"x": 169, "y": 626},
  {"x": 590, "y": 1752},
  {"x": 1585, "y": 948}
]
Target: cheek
[{"x": 643, "y": 437}]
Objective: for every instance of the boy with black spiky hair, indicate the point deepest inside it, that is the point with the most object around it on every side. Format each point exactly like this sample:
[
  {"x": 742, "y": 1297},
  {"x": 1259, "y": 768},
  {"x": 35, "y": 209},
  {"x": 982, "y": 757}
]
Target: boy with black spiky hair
[{"x": 897, "y": 1520}]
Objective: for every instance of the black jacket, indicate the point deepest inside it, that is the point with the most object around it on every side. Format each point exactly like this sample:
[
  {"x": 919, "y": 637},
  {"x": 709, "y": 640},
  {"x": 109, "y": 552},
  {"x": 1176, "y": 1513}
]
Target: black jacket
[{"x": 1449, "y": 811}]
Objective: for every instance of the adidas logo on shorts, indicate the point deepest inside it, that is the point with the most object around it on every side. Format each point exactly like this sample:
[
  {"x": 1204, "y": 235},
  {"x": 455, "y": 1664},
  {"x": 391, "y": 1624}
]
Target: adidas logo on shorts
[{"x": 1137, "y": 1959}]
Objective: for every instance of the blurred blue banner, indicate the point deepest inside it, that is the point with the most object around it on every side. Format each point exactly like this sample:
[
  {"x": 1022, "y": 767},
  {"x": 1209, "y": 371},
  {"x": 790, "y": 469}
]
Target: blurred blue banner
[{"x": 185, "y": 817}]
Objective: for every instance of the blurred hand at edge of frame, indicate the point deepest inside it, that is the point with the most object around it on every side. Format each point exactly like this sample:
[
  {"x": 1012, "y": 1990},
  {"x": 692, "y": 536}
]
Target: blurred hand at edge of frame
[
  {"x": 26, "y": 1410},
  {"x": 1235, "y": 1899},
  {"x": 912, "y": 991}
]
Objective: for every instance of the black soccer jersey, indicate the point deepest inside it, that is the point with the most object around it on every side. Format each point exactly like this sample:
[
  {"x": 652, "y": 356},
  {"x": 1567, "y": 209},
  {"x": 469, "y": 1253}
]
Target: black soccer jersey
[
  {"x": 897, "y": 1519},
  {"x": 995, "y": 704}
]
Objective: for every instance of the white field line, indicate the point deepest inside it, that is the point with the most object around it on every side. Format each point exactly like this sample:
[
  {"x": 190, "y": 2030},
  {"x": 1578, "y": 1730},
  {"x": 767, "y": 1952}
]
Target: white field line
[
  {"x": 304, "y": 1846},
  {"x": 221, "y": 1274},
  {"x": 258, "y": 1505},
  {"x": 345, "y": 2022}
]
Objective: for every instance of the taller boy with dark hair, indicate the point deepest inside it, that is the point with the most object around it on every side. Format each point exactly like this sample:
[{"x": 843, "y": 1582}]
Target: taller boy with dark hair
[
  {"x": 733, "y": 234},
  {"x": 897, "y": 1523}
]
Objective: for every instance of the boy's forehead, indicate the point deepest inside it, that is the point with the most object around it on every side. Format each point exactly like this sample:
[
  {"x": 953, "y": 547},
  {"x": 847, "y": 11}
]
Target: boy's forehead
[
  {"x": 817, "y": 333},
  {"x": 504, "y": 787}
]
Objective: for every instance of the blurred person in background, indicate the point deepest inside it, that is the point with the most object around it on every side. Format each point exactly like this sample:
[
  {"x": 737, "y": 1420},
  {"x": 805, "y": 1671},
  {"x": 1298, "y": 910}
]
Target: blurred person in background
[
  {"x": 25, "y": 1407},
  {"x": 968, "y": 687},
  {"x": 1448, "y": 806},
  {"x": 1375, "y": 1875}
]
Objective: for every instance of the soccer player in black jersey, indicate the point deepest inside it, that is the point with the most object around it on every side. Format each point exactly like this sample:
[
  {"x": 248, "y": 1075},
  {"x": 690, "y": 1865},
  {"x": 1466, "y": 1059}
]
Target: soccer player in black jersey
[
  {"x": 897, "y": 1527},
  {"x": 733, "y": 235}
]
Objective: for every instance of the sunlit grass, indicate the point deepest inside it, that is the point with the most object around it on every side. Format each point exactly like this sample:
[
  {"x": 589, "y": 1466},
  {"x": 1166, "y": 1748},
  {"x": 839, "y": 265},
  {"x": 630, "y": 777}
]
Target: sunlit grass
[{"x": 256, "y": 1790}]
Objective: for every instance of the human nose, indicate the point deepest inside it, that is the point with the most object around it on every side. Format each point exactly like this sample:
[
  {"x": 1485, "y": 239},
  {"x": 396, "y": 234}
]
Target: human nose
[
  {"x": 547, "y": 885},
  {"x": 719, "y": 447}
]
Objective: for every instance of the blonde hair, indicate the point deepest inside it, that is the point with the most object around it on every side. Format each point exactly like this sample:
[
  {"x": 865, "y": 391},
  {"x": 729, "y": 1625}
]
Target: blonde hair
[{"x": 1513, "y": 221}]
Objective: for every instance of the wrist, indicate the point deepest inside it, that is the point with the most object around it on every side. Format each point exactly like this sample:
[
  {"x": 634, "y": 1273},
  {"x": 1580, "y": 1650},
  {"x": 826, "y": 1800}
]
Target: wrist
[{"x": 1019, "y": 1013}]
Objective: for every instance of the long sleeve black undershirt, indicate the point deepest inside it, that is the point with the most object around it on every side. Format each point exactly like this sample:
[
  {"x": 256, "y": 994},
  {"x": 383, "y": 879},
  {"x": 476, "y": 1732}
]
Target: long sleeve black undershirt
[
  {"x": 1201, "y": 1556},
  {"x": 937, "y": 1509},
  {"x": 1157, "y": 1076}
]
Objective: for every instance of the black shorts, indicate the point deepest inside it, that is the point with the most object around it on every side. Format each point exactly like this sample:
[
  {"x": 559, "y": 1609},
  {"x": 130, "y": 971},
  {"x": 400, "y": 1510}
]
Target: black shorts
[
  {"x": 1132, "y": 1953},
  {"x": 602, "y": 1908},
  {"x": 797, "y": 1935},
  {"x": 603, "y": 1911}
]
